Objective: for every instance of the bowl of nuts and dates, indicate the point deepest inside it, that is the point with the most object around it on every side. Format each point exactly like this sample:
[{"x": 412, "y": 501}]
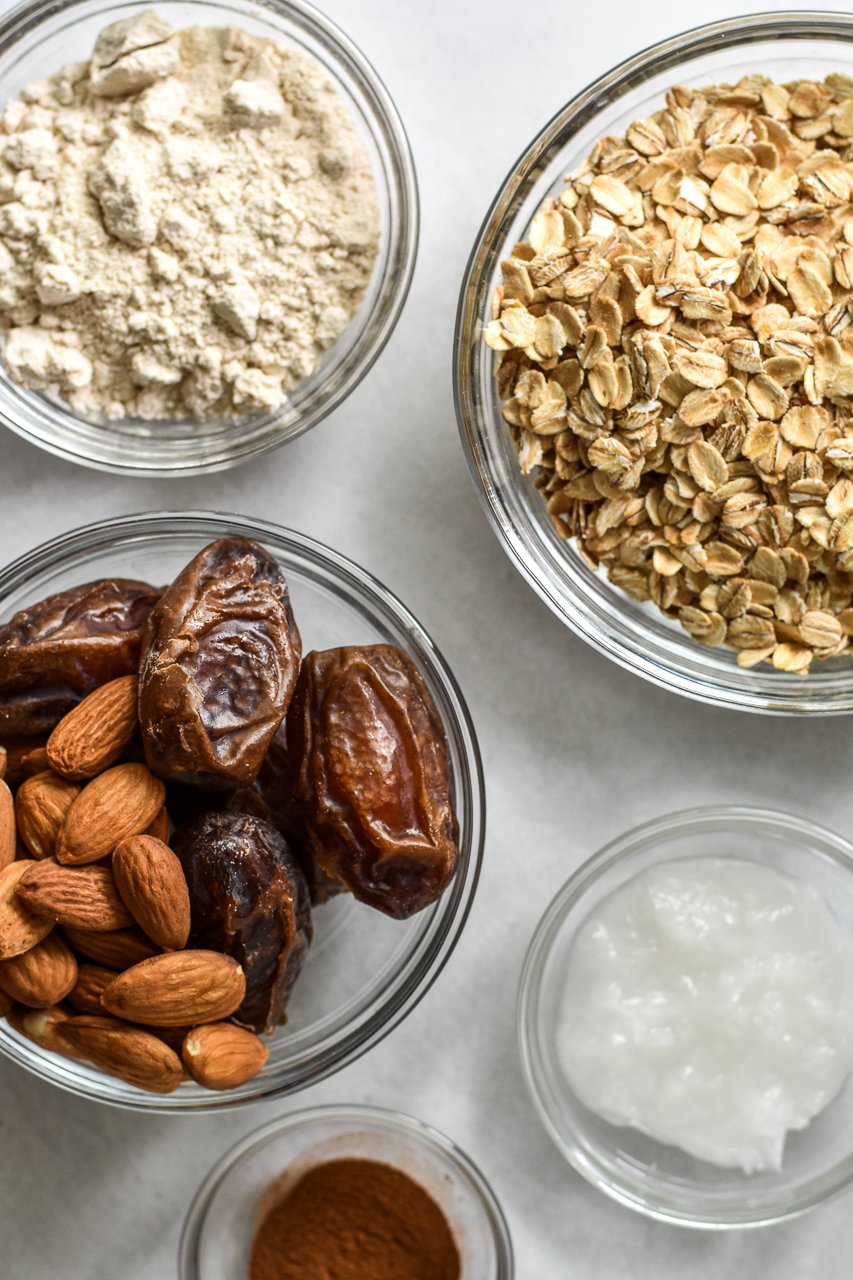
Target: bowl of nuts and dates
[{"x": 241, "y": 789}]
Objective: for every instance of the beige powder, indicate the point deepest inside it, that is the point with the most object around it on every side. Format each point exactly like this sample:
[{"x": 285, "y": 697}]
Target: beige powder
[{"x": 187, "y": 222}]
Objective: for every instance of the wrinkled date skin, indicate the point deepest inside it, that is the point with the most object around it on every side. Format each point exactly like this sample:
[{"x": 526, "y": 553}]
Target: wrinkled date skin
[
  {"x": 220, "y": 663},
  {"x": 54, "y": 653},
  {"x": 371, "y": 777},
  {"x": 249, "y": 899},
  {"x": 270, "y": 797}
]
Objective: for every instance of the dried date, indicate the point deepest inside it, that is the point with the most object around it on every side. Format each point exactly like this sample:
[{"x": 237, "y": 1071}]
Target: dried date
[
  {"x": 249, "y": 899},
  {"x": 370, "y": 775},
  {"x": 54, "y": 653},
  {"x": 269, "y": 797},
  {"x": 220, "y": 664}
]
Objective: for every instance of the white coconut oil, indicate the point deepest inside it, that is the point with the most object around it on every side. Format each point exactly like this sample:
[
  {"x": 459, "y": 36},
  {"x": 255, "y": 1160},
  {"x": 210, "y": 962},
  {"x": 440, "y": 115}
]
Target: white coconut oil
[{"x": 708, "y": 1003}]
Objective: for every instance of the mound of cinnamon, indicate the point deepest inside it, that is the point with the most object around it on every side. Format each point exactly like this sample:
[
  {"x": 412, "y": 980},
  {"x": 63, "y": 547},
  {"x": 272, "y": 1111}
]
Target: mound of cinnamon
[{"x": 355, "y": 1219}]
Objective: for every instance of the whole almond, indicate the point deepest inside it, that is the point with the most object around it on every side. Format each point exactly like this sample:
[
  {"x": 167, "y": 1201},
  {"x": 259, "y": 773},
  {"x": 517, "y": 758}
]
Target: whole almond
[
  {"x": 85, "y": 995},
  {"x": 42, "y": 976},
  {"x": 40, "y": 808},
  {"x": 160, "y": 827},
  {"x": 34, "y": 761},
  {"x": 82, "y": 897},
  {"x": 134, "y": 1055},
  {"x": 172, "y": 1036},
  {"x": 41, "y": 1026},
  {"x": 8, "y": 832},
  {"x": 178, "y": 989},
  {"x": 222, "y": 1056},
  {"x": 153, "y": 886},
  {"x": 16, "y": 751},
  {"x": 117, "y": 949},
  {"x": 20, "y": 929},
  {"x": 119, "y": 803},
  {"x": 94, "y": 734}
]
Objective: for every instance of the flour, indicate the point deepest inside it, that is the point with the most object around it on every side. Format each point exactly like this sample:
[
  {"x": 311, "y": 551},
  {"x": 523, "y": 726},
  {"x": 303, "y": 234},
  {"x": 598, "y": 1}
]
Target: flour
[{"x": 187, "y": 222}]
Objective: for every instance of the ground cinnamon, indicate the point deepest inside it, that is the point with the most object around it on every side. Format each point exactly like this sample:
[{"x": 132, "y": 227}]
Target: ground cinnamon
[{"x": 355, "y": 1220}]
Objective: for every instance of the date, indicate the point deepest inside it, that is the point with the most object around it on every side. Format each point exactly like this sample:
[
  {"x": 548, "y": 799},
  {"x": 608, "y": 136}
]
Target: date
[
  {"x": 54, "y": 653},
  {"x": 371, "y": 777},
  {"x": 249, "y": 899},
  {"x": 219, "y": 667}
]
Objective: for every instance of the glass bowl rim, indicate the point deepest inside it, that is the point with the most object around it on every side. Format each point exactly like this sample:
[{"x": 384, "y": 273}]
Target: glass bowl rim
[
  {"x": 346, "y": 1115},
  {"x": 403, "y": 194},
  {"x": 816, "y": 839},
  {"x": 618, "y": 641},
  {"x": 396, "y": 1003}
]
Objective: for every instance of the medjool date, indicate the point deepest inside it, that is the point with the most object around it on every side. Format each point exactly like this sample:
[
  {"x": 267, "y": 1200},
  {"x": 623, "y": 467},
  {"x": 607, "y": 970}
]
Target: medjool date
[
  {"x": 370, "y": 774},
  {"x": 220, "y": 662},
  {"x": 249, "y": 899},
  {"x": 270, "y": 797},
  {"x": 54, "y": 653}
]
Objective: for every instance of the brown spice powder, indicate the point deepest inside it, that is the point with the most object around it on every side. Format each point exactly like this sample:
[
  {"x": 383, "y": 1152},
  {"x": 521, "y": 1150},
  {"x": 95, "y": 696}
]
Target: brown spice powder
[{"x": 355, "y": 1220}]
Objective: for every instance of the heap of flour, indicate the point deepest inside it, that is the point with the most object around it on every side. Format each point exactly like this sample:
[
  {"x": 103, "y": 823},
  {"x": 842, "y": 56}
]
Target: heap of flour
[{"x": 187, "y": 222}]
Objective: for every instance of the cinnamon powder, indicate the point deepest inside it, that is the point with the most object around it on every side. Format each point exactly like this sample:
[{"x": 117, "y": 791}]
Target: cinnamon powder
[{"x": 355, "y": 1220}]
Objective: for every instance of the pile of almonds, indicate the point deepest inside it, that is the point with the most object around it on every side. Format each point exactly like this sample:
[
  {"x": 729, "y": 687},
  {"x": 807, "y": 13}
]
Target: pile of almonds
[{"x": 95, "y": 915}]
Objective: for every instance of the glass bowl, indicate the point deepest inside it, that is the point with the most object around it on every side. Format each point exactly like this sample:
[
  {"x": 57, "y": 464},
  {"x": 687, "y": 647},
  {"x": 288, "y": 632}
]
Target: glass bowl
[
  {"x": 38, "y": 37},
  {"x": 364, "y": 971},
  {"x": 780, "y": 45},
  {"x": 230, "y": 1204},
  {"x": 659, "y": 1180}
]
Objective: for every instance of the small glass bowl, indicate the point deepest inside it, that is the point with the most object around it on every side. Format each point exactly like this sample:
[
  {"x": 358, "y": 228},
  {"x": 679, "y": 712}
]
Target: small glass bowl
[
  {"x": 659, "y": 1180},
  {"x": 40, "y": 36},
  {"x": 231, "y": 1202},
  {"x": 637, "y": 636},
  {"x": 364, "y": 971}
]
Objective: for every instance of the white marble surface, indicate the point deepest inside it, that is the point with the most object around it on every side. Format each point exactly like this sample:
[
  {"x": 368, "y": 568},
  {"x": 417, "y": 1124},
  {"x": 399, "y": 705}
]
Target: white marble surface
[{"x": 575, "y": 750}]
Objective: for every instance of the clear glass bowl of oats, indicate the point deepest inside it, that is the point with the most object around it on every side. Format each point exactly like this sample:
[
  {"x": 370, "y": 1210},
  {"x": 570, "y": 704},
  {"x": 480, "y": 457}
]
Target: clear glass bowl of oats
[
  {"x": 325, "y": 364},
  {"x": 784, "y": 48}
]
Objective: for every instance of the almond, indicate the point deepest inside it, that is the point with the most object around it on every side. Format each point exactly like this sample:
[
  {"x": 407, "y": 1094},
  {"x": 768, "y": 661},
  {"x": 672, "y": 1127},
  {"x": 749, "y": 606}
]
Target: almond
[
  {"x": 117, "y": 948},
  {"x": 85, "y": 995},
  {"x": 119, "y": 803},
  {"x": 42, "y": 976},
  {"x": 41, "y": 1026},
  {"x": 174, "y": 1037},
  {"x": 134, "y": 1055},
  {"x": 180, "y": 988},
  {"x": 34, "y": 761},
  {"x": 160, "y": 827},
  {"x": 8, "y": 833},
  {"x": 4, "y": 760},
  {"x": 94, "y": 734},
  {"x": 40, "y": 808},
  {"x": 5, "y": 1004},
  {"x": 83, "y": 897},
  {"x": 222, "y": 1056},
  {"x": 153, "y": 886},
  {"x": 17, "y": 750},
  {"x": 20, "y": 929}
]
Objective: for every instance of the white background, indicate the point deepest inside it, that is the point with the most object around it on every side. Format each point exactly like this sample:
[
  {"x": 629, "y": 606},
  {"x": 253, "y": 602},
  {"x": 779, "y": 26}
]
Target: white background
[{"x": 575, "y": 750}]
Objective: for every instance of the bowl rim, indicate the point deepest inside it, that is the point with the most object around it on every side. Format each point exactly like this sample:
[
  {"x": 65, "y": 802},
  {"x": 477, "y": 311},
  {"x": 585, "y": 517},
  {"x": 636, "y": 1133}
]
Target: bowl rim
[
  {"x": 404, "y": 200},
  {"x": 566, "y": 1136},
  {"x": 780, "y": 693},
  {"x": 346, "y": 1115},
  {"x": 458, "y": 898}
]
